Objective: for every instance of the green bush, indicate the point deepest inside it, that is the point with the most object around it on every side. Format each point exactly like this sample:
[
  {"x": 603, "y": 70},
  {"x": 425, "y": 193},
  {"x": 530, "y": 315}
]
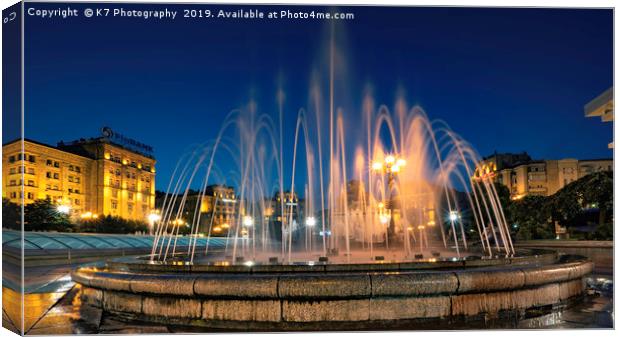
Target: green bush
[
  {"x": 111, "y": 224},
  {"x": 42, "y": 215},
  {"x": 11, "y": 215}
]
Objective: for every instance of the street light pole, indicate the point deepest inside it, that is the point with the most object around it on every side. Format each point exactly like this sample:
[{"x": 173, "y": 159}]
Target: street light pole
[
  {"x": 391, "y": 230},
  {"x": 391, "y": 166}
]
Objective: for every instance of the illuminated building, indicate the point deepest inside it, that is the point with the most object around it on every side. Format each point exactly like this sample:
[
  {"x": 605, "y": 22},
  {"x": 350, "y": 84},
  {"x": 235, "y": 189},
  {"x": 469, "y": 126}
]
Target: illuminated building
[
  {"x": 602, "y": 106},
  {"x": 524, "y": 176},
  {"x": 290, "y": 217},
  {"x": 220, "y": 204},
  {"x": 93, "y": 177}
]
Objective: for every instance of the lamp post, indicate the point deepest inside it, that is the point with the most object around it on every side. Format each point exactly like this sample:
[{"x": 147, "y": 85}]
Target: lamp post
[
  {"x": 65, "y": 209},
  {"x": 153, "y": 218},
  {"x": 390, "y": 166},
  {"x": 248, "y": 222},
  {"x": 310, "y": 223}
]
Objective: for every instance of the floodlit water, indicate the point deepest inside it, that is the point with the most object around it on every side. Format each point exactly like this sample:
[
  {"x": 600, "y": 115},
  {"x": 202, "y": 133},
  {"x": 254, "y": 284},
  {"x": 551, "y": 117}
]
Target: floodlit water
[{"x": 373, "y": 176}]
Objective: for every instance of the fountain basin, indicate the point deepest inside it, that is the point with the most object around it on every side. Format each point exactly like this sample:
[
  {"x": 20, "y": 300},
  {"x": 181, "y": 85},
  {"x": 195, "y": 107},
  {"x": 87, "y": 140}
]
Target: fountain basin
[{"x": 291, "y": 297}]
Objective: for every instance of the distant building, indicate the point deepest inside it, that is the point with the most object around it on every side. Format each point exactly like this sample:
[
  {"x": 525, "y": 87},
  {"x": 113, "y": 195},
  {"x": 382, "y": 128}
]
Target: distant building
[
  {"x": 602, "y": 106},
  {"x": 220, "y": 206},
  {"x": 524, "y": 176},
  {"x": 291, "y": 216},
  {"x": 93, "y": 177}
]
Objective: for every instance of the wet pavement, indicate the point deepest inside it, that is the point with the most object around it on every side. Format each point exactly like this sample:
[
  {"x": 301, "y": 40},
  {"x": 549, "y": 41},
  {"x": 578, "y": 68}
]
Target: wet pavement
[{"x": 53, "y": 306}]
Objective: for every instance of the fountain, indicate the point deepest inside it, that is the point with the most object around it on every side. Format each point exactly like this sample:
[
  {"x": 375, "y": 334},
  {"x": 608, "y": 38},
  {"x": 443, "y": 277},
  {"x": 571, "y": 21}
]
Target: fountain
[{"x": 388, "y": 229}]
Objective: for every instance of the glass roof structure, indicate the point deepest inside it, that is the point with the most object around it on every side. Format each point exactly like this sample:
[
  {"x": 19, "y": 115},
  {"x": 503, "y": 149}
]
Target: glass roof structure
[{"x": 54, "y": 240}]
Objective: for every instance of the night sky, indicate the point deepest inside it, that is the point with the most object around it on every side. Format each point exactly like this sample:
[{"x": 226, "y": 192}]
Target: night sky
[{"x": 509, "y": 80}]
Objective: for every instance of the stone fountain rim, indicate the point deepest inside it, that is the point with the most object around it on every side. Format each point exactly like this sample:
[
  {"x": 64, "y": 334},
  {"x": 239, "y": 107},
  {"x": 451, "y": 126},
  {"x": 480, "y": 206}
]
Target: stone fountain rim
[
  {"x": 275, "y": 300},
  {"x": 531, "y": 256}
]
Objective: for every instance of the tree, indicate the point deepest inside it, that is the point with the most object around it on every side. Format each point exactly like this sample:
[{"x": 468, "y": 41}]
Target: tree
[
  {"x": 530, "y": 218},
  {"x": 593, "y": 192},
  {"x": 112, "y": 224},
  {"x": 43, "y": 215},
  {"x": 11, "y": 215}
]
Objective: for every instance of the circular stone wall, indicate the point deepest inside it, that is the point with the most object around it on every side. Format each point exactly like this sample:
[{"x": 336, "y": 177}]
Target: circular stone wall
[{"x": 289, "y": 297}]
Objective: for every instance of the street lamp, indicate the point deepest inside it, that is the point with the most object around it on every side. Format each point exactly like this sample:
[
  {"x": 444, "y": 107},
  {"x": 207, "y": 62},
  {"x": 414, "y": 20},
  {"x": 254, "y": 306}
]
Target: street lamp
[
  {"x": 454, "y": 215},
  {"x": 391, "y": 165},
  {"x": 65, "y": 209},
  {"x": 310, "y": 221},
  {"x": 153, "y": 218},
  {"x": 248, "y": 221}
]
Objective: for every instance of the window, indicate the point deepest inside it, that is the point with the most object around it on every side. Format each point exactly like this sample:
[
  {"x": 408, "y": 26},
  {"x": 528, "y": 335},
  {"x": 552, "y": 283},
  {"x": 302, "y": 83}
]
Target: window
[
  {"x": 76, "y": 191},
  {"x": 118, "y": 172},
  {"x": 11, "y": 159},
  {"x": 13, "y": 183},
  {"x": 56, "y": 164},
  {"x": 130, "y": 195},
  {"x": 31, "y": 158},
  {"x": 113, "y": 204},
  {"x": 48, "y": 162},
  {"x": 13, "y": 195},
  {"x": 77, "y": 180},
  {"x": 70, "y": 179},
  {"x": 77, "y": 201},
  {"x": 20, "y": 156},
  {"x": 30, "y": 170},
  {"x": 70, "y": 190},
  {"x": 129, "y": 208},
  {"x": 30, "y": 182},
  {"x": 71, "y": 168},
  {"x": 12, "y": 170},
  {"x": 78, "y": 169},
  {"x": 48, "y": 175},
  {"x": 55, "y": 175},
  {"x": 30, "y": 195}
]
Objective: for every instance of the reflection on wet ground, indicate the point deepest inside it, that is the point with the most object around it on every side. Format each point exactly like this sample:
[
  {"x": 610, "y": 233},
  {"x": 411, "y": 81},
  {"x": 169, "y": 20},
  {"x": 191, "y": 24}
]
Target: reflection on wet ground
[{"x": 53, "y": 307}]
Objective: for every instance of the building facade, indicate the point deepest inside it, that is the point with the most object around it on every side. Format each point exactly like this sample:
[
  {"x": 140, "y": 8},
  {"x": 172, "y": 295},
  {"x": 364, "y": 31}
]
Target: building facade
[
  {"x": 603, "y": 107},
  {"x": 524, "y": 176},
  {"x": 219, "y": 208},
  {"x": 92, "y": 177}
]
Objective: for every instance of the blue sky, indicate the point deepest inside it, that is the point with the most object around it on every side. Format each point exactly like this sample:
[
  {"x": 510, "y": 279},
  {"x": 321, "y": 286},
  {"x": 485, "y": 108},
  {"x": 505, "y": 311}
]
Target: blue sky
[{"x": 505, "y": 79}]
